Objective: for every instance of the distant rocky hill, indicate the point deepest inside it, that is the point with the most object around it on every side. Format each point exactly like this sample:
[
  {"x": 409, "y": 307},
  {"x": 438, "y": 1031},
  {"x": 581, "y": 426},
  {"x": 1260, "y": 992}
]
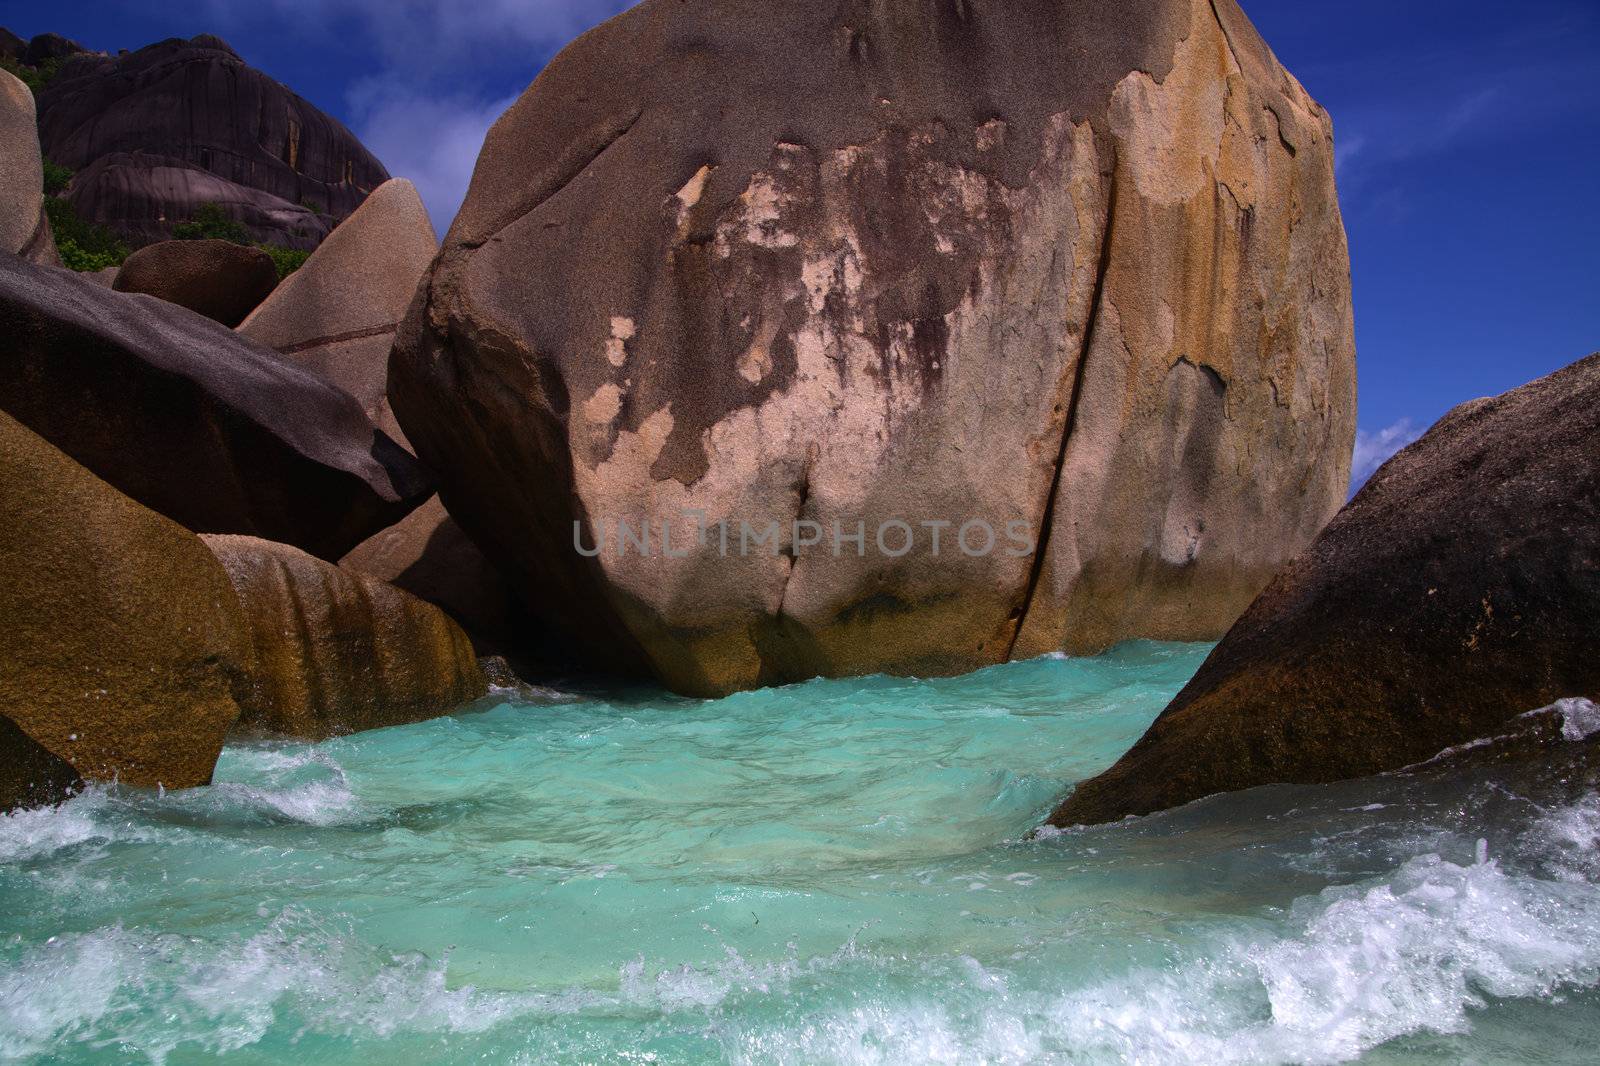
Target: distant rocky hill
[{"x": 153, "y": 135}]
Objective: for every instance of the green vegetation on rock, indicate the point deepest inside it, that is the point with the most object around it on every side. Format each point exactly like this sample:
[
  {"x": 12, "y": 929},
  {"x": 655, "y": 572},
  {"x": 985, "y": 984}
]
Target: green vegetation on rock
[
  {"x": 211, "y": 223},
  {"x": 35, "y": 78},
  {"x": 56, "y": 178},
  {"x": 84, "y": 246},
  {"x": 287, "y": 260}
]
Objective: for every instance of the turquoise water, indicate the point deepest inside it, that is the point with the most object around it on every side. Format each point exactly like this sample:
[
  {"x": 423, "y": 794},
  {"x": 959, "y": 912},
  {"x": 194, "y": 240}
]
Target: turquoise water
[{"x": 834, "y": 872}]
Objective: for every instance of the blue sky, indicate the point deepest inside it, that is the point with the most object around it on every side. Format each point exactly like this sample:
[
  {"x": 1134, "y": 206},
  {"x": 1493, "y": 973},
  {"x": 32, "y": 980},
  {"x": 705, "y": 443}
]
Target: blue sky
[{"x": 1468, "y": 132}]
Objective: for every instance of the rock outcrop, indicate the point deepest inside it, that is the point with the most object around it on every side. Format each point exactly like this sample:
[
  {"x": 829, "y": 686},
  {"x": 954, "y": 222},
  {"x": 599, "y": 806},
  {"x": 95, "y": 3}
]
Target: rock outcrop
[
  {"x": 219, "y": 279},
  {"x": 429, "y": 556},
  {"x": 158, "y": 132},
  {"x": 338, "y": 652},
  {"x": 338, "y": 313},
  {"x": 24, "y": 229},
  {"x": 45, "y": 47},
  {"x": 30, "y": 774},
  {"x": 1075, "y": 271},
  {"x": 123, "y": 640},
  {"x": 193, "y": 420},
  {"x": 1457, "y": 591}
]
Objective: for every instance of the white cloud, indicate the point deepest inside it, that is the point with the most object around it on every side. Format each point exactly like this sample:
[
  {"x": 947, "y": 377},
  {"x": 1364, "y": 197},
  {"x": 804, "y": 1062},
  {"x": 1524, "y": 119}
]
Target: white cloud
[
  {"x": 424, "y": 37},
  {"x": 1373, "y": 449},
  {"x": 432, "y": 140},
  {"x": 1345, "y": 151}
]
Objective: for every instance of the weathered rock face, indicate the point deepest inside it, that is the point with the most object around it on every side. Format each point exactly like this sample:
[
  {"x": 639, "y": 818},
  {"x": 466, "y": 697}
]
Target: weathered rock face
[
  {"x": 1078, "y": 267},
  {"x": 338, "y": 313},
  {"x": 158, "y": 132},
  {"x": 47, "y": 46},
  {"x": 30, "y": 774},
  {"x": 21, "y": 180},
  {"x": 338, "y": 652},
  {"x": 428, "y": 555},
  {"x": 123, "y": 641},
  {"x": 1458, "y": 590},
  {"x": 194, "y": 421},
  {"x": 12, "y": 46},
  {"x": 219, "y": 279},
  {"x": 24, "y": 229}
]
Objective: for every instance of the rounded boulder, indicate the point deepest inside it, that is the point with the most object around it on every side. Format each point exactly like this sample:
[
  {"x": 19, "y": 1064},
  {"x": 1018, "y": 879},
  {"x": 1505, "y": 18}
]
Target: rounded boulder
[
  {"x": 219, "y": 279},
  {"x": 338, "y": 652}
]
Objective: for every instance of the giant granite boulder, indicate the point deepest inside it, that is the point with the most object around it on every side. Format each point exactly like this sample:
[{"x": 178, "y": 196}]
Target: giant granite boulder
[
  {"x": 157, "y": 132},
  {"x": 1075, "y": 271},
  {"x": 1458, "y": 590},
  {"x": 193, "y": 420},
  {"x": 24, "y": 229},
  {"x": 338, "y": 652},
  {"x": 219, "y": 279},
  {"x": 121, "y": 640},
  {"x": 338, "y": 313}
]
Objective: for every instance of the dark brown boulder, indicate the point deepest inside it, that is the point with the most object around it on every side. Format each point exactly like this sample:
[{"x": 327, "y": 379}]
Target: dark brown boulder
[
  {"x": 193, "y": 420},
  {"x": 219, "y": 279},
  {"x": 429, "y": 556},
  {"x": 1073, "y": 268},
  {"x": 30, "y": 774},
  {"x": 183, "y": 123},
  {"x": 337, "y": 651},
  {"x": 11, "y": 46},
  {"x": 1458, "y": 590}
]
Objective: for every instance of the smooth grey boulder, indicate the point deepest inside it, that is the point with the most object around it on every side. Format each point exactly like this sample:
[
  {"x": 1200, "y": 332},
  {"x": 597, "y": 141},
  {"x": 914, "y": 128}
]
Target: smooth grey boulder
[
  {"x": 338, "y": 313},
  {"x": 194, "y": 421},
  {"x": 24, "y": 229}
]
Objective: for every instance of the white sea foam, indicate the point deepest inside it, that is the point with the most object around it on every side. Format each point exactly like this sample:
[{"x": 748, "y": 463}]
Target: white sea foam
[
  {"x": 1341, "y": 973},
  {"x": 26, "y": 835},
  {"x": 92, "y": 818},
  {"x": 1356, "y": 966},
  {"x": 1580, "y": 718},
  {"x": 221, "y": 997},
  {"x": 300, "y": 784}
]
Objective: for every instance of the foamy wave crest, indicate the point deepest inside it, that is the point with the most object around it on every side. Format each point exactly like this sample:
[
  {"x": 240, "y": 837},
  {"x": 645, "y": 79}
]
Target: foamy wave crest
[
  {"x": 685, "y": 987},
  {"x": 30, "y": 835},
  {"x": 298, "y": 784},
  {"x": 1355, "y": 967},
  {"x": 221, "y": 997},
  {"x": 1410, "y": 955}
]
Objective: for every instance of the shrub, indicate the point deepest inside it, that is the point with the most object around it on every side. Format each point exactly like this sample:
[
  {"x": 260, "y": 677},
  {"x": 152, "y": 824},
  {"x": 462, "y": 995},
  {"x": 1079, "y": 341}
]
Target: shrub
[
  {"x": 287, "y": 260},
  {"x": 35, "y": 78},
  {"x": 84, "y": 246},
  {"x": 56, "y": 178},
  {"x": 211, "y": 222}
]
